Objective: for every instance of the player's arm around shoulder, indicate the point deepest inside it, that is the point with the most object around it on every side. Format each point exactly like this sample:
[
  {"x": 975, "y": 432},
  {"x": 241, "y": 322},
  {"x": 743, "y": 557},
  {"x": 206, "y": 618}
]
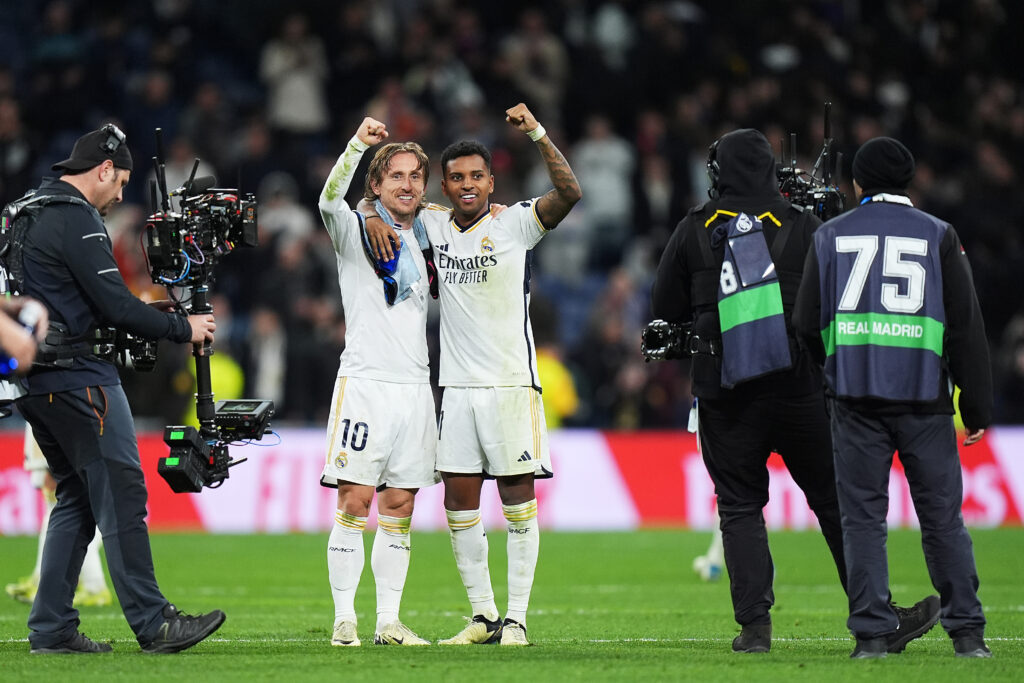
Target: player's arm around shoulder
[
  {"x": 332, "y": 198},
  {"x": 556, "y": 204}
]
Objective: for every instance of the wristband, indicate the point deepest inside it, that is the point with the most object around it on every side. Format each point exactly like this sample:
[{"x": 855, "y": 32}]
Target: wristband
[
  {"x": 357, "y": 144},
  {"x": 537, "y": 133}
]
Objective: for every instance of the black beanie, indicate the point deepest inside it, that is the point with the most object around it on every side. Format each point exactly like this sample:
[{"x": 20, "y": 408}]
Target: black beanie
[{"x": 883, "y": 165}]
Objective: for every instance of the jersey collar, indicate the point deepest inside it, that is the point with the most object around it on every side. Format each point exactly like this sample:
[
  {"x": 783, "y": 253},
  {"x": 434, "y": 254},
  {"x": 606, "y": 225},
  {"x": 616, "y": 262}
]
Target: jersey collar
[{"x": 473, "y": 223}]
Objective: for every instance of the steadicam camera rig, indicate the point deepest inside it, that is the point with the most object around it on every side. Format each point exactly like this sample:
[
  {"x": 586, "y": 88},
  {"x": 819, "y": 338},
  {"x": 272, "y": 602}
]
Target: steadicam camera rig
[
  {"x": 662, "y": 340},
  {"x": 182, "y": 249},
  {"x": 821, "y": 196}
]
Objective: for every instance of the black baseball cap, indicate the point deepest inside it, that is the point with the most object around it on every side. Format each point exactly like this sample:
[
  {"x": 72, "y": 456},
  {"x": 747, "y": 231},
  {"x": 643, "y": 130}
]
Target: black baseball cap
[{"x": 92, "y": 149}]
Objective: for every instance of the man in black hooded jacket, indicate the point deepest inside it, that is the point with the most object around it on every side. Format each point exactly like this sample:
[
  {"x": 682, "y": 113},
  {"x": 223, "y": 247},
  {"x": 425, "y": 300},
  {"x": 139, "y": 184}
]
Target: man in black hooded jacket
[{"x": 742, "y": 422}]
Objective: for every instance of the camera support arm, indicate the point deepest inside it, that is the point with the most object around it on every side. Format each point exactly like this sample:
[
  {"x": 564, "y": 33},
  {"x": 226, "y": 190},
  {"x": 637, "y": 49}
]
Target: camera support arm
[{"x": 204, "y": 386}]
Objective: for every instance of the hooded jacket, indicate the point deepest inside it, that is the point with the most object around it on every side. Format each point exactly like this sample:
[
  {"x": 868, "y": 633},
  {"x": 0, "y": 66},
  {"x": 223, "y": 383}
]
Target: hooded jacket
[{"x": 686, "y": 284}]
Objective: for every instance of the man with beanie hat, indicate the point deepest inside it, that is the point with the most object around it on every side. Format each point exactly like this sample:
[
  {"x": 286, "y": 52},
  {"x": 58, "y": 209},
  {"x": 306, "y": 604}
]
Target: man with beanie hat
[
  {"x": 888, "y": 306},
  {"x": 60, "y": 254}
]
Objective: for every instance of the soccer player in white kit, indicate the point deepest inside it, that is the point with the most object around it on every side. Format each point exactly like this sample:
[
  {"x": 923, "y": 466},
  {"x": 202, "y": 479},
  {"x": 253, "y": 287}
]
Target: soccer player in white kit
[
  {"x": 381, "y": 433},
  {"x": 492, "y": 420}
]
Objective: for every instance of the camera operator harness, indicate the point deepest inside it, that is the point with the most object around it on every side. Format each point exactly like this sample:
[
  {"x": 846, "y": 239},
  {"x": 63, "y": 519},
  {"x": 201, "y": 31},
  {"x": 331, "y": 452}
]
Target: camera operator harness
[{"x": 59, "y": 348}]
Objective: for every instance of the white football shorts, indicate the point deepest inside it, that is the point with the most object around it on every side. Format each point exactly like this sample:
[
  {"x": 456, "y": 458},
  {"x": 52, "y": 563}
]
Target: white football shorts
[
  {"x": 497, "y": 431},
  {"x": 381, "y": 434}
]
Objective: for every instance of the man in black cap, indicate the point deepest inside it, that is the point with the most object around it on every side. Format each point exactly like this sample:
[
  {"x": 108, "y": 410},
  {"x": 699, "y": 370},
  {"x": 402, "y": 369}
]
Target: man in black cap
[
  {"x": 888, "y": 305},
  {"x": 61, "y": 255}
]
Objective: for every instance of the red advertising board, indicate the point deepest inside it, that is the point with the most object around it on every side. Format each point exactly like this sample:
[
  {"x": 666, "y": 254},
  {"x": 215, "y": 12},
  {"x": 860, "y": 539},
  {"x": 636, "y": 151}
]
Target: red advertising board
[{"x": 603, "y": 480}]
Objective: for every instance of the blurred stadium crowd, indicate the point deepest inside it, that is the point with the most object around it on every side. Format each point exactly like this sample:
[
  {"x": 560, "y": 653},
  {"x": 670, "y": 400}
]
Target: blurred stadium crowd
[{"x": 633, "y": 92}]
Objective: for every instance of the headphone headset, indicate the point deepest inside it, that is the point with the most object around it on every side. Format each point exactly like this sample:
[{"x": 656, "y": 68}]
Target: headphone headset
[
  {"x": 713, "y": 170},
  {"x": 115, "y": 138}
]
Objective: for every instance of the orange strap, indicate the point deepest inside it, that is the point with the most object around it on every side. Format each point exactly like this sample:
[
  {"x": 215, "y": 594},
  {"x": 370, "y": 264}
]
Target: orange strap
[{"x": 88, "y": 393}]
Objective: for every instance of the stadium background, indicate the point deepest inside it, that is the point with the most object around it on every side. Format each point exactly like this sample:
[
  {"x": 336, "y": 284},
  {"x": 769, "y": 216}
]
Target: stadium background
[{"x": 632, "y": 92}]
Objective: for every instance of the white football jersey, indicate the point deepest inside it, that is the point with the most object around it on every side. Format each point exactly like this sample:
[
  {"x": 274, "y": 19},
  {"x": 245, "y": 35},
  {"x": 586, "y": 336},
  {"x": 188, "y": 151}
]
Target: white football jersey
[
  {"x": 382, "y": 342},
  {"x": 486, "y": 336}
]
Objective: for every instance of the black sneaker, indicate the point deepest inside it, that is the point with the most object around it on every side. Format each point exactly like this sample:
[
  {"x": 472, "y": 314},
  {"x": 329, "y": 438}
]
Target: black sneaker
[
  {"x": 870, "y": 648},
  {"x": 914, "y": 622},
  {"x": 753, "y": 638},
  {"x": 77, "y": 644},
  {"x": 970, "y": 646},
  {"x": 182, "y": 631}
]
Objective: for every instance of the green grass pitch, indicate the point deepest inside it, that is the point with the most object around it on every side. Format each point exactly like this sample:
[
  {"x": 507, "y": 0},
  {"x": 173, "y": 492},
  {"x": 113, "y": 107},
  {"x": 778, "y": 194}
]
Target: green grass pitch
[{"x": 605, "y": 606}]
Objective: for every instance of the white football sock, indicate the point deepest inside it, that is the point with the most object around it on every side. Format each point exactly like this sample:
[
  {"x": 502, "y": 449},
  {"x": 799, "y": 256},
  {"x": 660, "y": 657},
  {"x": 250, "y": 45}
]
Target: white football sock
[
  {"x": 389, "y": 560},
  {"x": 716, "y": 553},
  {"x": 469, "y": 543},
  {"x": 523, "y": 548},
  {"x": 91, "y": 578},
  {"x": 50, "y": 504},
  {"x": 345, "y": 559}
]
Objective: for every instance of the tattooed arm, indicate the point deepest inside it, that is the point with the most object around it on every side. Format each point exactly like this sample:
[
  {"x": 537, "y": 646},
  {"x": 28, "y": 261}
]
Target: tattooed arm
[{"x": 556, "y": 204}]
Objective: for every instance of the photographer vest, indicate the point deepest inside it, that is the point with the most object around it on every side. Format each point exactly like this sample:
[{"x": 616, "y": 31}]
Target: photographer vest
[
  {"x": 882, "y": 311},
  {"x": 754, "y": 339}
]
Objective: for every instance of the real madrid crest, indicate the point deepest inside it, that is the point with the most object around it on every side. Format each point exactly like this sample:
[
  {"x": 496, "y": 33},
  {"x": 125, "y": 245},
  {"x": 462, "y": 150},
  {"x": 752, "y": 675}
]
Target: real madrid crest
[
  {"x": 486, "y": 245},
  {"x": 743, "y": 223},
  {"x": 341, "y": 460}
]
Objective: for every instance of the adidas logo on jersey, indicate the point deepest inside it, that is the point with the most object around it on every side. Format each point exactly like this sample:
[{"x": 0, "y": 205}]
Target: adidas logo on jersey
[{"x": 525, "y": 457}]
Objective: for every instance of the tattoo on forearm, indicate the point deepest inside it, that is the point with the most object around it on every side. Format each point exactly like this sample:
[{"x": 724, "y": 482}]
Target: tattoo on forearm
[{"x": 566, "y": 192}]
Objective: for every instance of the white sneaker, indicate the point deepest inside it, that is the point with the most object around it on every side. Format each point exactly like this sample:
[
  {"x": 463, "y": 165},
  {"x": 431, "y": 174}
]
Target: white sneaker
[
  {"x": 397, "y": 633},
  {"x": 513, "y": 633},
  {"x": 479, "y": 630},
  {"x": 345, "y": 635}
]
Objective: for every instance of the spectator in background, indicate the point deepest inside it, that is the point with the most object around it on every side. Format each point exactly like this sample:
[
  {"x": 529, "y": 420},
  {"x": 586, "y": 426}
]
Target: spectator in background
[
  {"x": 538, "y": 65},
  {"x": 1010, "y": 373},
  {"x": 559, "y": 397},
  {"x": 281, "y": 216},
  {"x": 208, "y": 123},
  {"x": 606, "y": 164},
  {"x": 17, "y": 152},
  {"x": 294, "y": 68},
  {"x": 443, "y": 86},
  {"x": 154, "y": 104}
]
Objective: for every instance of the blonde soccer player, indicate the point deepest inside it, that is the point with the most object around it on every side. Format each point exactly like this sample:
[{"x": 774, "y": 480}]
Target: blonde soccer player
[
  {"x": 492, "y": 421},
  {"x": 381, "y": 434}
]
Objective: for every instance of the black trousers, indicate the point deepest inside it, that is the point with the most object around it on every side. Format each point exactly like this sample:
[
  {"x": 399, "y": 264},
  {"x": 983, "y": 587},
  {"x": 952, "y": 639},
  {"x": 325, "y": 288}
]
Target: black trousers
[
  {"x": 88, "y": 438},
  {"x": 736, "y": 439},
  {"x": 864, "y": 446}
]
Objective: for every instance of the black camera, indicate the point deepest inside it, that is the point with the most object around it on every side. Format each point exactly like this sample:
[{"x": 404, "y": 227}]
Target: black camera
[
  {"x": 821, "y": 196},
  {"x": 125, "y": 349},
  {"x": 662, "y": 340},
  {"x": 184, "y": 246},
  {"x": 195, "y": 461},
  {"x": 182, "y": 249}
]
